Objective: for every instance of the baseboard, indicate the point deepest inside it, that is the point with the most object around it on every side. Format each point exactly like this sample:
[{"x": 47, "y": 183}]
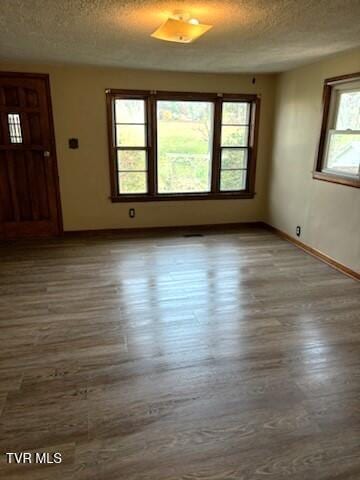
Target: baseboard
[
  {"x": 148, "y": 231},
  {"x": 314, "y": 252}
]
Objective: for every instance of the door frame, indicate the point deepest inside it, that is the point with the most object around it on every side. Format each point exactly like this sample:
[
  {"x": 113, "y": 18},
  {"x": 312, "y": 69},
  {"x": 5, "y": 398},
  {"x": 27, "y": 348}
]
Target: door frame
[{"x": 46, "y": 78}]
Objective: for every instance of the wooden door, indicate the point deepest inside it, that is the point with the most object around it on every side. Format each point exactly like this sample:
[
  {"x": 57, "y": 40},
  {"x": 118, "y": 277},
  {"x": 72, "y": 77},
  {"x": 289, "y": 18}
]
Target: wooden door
[{"x": 29, "y": 189}]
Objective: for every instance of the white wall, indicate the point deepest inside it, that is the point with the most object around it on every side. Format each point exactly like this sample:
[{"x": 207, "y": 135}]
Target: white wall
[{"x": 328, "y": 213}]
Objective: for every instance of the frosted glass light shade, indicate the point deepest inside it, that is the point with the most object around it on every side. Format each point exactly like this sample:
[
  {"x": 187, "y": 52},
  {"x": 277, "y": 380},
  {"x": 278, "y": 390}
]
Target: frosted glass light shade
[{"x": 173, "y": 30}]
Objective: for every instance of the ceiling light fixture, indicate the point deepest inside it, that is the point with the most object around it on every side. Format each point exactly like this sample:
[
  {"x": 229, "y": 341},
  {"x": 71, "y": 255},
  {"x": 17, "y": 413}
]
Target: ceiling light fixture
[{"x": 181, "y": 28}]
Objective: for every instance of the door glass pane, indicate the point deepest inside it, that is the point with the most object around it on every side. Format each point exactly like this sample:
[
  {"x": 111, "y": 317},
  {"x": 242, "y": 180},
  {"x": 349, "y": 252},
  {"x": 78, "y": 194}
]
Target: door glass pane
[
  {"x": 343, "y": 153},
  {"x": 233, "y": 180},
  {"x": 234, "y": 136},
  {"x": 233, "y": 158},
  {"x": 129, "y": 111},
  {"x": 235, "y": 113},
  {"x": 130, "y": 135},
  {"x": 132, "y": 182},
  {"x": 131, "y": 160},
  {"x": 185, "y": 139},
  {"x": 348, "y": 116},
  {"x": 14, "y": 128}
]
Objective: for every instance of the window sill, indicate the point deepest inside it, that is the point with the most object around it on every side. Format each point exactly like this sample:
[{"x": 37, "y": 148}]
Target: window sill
[
  {"x": 332, "y": 178},
  {"x": 181, "y": 197}
]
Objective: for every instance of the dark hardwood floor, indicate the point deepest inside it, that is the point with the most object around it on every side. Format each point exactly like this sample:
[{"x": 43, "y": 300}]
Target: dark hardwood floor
[{"x": 229, "y": 356}]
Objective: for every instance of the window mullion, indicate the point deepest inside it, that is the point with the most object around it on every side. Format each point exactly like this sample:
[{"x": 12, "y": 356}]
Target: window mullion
[
  {"x": 152, "y": 163},
  {"x": 114, "y": 185},
  {"x": 216, "y": 153}
]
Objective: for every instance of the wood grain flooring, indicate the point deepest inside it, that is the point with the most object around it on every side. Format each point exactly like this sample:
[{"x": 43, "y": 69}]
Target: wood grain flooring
[{"x": 229, "y": 356}]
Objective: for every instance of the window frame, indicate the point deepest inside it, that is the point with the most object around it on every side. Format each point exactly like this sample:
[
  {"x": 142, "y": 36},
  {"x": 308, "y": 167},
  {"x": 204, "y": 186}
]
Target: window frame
[
  {"x": 330, "y": 110},
  {"x": 150, "y": 98}
]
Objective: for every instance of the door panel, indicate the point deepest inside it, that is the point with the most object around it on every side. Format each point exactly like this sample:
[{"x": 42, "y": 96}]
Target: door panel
[{"x": 29, "y": 190}]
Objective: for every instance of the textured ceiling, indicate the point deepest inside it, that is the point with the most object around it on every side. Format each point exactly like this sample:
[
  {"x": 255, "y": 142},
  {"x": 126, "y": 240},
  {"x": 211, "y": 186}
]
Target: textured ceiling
[{"x": 248, "y": 35}]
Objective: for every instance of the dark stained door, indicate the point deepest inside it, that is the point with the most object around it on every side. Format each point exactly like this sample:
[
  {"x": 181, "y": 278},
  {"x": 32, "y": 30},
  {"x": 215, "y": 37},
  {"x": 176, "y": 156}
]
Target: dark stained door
[{"x": 29, "y": 189}]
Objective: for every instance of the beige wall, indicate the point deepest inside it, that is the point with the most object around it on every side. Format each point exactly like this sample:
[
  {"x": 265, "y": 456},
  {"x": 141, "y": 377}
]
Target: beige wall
[
  {"x": 79, "y": 111},
  {"x": 329, "y": 214},
  {"x": 287, "y": 195}
]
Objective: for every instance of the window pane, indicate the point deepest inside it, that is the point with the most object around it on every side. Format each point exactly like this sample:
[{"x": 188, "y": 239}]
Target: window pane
[
  {"x": 14, "y": 128},
  {"x": 234, "y": 113},
  {"x": 349, "y": 111},
  {"x": 184, "y": 146},
  {"x": 233, "y": 158},
  {"x": 129, "y": 111},
  {"x": 344, "y": 153},
  {"x": 130, "y": 136},
  {"x": 234, "y": 136},
  {"x": 233, "y": 180},
  {"x": 132, "y": 182},
  {"x": 131, "y": 160}
]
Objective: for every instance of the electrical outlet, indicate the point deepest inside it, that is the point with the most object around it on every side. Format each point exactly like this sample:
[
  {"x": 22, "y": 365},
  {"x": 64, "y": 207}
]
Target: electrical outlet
[
  {"x": 298, "y": 231},
  {"x": 132, "y": 212}
]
